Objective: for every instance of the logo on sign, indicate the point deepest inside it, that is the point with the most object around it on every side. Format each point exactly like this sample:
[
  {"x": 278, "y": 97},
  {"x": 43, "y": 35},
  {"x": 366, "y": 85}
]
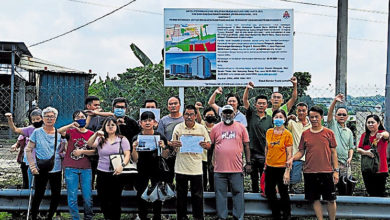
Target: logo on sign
[{"x": 286, "y": 15}]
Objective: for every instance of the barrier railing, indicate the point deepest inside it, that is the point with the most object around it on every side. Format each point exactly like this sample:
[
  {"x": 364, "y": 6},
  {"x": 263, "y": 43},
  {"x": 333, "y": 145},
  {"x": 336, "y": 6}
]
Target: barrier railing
[{"x": 347, "y": 206}]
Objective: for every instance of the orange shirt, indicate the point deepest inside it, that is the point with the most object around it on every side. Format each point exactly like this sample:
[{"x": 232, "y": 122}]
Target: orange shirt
[{"x": 277, "y": 147}]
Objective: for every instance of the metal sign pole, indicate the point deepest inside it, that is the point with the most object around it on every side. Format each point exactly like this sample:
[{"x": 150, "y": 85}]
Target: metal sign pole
[{"x": 181, "y": 96}]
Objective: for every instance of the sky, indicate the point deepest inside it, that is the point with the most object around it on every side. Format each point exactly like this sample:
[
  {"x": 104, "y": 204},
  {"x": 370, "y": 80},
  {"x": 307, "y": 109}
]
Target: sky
[{"x": 104, "y": 46}]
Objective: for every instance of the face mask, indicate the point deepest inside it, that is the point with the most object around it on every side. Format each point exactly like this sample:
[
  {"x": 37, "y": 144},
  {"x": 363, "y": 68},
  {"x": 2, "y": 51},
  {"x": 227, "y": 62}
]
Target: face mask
[
  {"x": 119, "y": 112},
  {"x": 228, "y": 120},
  {"x": 81, "y": 122},
  {"x": 37, "y": 124},
  {"x": 278, "y": 122},
  {"x": 211, "y": 119}
]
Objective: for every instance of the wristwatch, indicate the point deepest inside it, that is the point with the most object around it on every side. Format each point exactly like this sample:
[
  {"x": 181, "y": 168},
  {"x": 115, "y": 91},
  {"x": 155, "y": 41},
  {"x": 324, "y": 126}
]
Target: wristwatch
[
  {"x": 123, "y": 164},
  {"x": 336, "y": 170}
]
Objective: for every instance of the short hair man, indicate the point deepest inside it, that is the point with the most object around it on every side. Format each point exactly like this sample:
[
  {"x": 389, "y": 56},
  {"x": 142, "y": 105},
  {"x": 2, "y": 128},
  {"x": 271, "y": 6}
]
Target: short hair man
[
  {"x": 344, "y": 136},
  {"x": 277, "y": 99},
  {"x": 297, "y": 125},
  {"x": 229, "y": 138},
  {"x": 188, "y": 165},
  {"x": 165, "y": 127},
  {"x": 150, "y": 103},
  {"x": 95, "y": 115},
  {"x": 258, "y": 124},
  {"x": 321, "y": 171},
  {"x": 232, "y": 100}
]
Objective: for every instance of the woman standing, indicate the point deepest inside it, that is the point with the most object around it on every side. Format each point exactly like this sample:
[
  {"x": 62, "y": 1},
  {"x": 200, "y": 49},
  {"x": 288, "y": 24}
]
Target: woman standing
[
  {"x": 149, "y": 165},
  {"x": 278, "y": 150},
  {"x": 378, "y": 137},
  {"x": 46, "y": 142},
  {"x": 35, "y": 119},
  {"x": 109, "y": 182},
  {"x": 77, "y": 165}
]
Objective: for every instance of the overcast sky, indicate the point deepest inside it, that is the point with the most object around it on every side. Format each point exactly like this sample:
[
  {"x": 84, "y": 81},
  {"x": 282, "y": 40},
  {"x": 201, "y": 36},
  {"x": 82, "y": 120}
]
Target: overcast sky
[{"x": 104, "y": 45}]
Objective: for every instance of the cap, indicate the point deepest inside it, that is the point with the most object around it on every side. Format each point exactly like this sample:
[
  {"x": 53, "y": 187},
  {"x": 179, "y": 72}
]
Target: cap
[{"x": 227, "y": 108}]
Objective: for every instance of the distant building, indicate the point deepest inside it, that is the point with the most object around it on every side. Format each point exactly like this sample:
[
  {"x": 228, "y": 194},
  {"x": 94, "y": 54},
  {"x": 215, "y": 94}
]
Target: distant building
[{"x": 200, "y": 67}]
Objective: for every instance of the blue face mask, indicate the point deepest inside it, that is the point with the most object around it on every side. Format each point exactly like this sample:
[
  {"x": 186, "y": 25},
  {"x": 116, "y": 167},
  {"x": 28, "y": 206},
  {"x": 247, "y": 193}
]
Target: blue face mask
[
  {"x": 278, "y": 122},
  {"x": 81, "y": 122},
  {"x": 119, "y": 112}
]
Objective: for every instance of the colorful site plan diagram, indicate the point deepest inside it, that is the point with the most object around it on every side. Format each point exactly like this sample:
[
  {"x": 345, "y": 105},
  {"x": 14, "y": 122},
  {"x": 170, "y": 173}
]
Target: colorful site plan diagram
[{"x": 190, "y": 37}]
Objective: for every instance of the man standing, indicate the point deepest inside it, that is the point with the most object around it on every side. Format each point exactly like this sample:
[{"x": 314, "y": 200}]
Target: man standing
[
  {"x": 344, "y": 136},
  {"x": 188, "y": 165},
  {"x": 229, "y": 138},
  {"x": 297, "y": 126},
  {"x": 277, "y": 99},
  {"x": 165, "y": 127},
  {"x": 232, "y": 100},
  {"x": 128, "y": 127},
  {"x": 258, "y": 124},
  {"x": 95, "y": 114},
  {"x": 321, "y": 171}
]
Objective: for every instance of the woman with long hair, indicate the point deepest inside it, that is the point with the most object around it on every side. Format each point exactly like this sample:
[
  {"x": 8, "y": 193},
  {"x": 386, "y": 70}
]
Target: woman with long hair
[
  {"x": 109, "y": 182},
  {"x": 277, "y": 152},
  {"x": 375, "y": 137}
]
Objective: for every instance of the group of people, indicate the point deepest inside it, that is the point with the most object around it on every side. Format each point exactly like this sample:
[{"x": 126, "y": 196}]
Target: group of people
[{"x": 257, "y": 141}]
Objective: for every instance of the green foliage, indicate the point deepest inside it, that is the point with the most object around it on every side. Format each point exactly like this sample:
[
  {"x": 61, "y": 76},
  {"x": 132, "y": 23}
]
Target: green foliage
[
  {"x": 141, "y": 83},
  {"x": 140, "y": 55}
]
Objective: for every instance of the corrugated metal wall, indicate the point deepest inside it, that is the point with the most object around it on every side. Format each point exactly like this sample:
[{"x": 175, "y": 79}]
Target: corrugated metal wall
[{"x": 65, "y": 92}]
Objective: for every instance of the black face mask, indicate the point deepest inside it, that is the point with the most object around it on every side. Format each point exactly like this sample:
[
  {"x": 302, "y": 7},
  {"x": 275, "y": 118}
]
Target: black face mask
[
  {"x": 211, "y": 119},
  {"x": 37, "y": 124}
]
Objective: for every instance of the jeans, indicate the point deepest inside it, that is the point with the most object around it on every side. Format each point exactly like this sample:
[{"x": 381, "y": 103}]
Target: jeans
[
  {"x": 196, "y": 195},
  {"x": 296, "y": 172},
  {"x": 40, "y": 182},
  {"x": 109, "y": 190},
  {"x": 273, "y": 178},
  {"x": 73, "y": 177},
  {"x": 236, "y": 180},
  {"x": 257, "y": 171}
]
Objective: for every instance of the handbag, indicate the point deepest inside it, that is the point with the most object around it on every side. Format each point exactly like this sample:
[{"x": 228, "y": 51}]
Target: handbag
[
  {"x": 347, "y": 183},
  {"x": 165, "y": 191},
  {"x": 370, "y": 165},
  {"x": 150, "y": 194},
  {"x": 116, "y": 160},
  {"x": 46, "y": 165}
]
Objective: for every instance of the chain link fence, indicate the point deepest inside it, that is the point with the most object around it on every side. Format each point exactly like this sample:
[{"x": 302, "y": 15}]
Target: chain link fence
[{"x": 363, "y": 100}]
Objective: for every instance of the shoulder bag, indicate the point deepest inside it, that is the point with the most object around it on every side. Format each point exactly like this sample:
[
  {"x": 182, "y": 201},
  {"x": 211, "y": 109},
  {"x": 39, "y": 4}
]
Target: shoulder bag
[
  {"x": 369, "y": 164},
  {"x": 117, "y": 160},
  {"x": 45, "y": 166}
]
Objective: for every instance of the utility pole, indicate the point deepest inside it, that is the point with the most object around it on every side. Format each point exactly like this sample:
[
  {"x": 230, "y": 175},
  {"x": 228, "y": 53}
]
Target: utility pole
[
  {"x": 387, "y": 95},
  {"x": 341, "y": 56}
]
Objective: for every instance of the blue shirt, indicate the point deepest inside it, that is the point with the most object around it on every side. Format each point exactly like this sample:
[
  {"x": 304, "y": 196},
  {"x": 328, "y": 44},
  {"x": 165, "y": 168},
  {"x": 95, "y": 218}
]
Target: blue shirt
[{"x": 44, "y": 147}]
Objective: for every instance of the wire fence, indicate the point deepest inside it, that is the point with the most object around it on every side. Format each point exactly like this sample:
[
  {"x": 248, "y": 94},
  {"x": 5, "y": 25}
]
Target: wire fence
[{"x": 363, "y": 100}]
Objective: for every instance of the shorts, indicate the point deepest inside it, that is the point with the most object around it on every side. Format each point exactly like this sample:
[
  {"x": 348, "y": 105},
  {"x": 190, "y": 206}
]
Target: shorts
[
  {"x": 319, "y": 184},
  {"x": 296, "y": 172}
]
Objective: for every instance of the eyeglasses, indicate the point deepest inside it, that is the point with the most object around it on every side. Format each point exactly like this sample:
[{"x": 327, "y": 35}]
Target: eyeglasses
[
  {"x": 49, "y": 116},
  {"x": 119, "y": 106},
  {"x": 189, "y": 114},
  {"x": 341, "y": 114}
]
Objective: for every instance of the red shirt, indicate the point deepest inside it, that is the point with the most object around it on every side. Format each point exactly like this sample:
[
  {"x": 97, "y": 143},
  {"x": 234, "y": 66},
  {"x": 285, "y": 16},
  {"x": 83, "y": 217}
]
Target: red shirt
[
  {"x": 318, "y": 152},
  {"x": 77, "y": 140},
  {"x": 382, "y": 149}
]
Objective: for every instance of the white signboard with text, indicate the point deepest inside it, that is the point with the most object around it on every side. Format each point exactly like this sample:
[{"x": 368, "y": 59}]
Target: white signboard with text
[{"x": 228, "y": 47}]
